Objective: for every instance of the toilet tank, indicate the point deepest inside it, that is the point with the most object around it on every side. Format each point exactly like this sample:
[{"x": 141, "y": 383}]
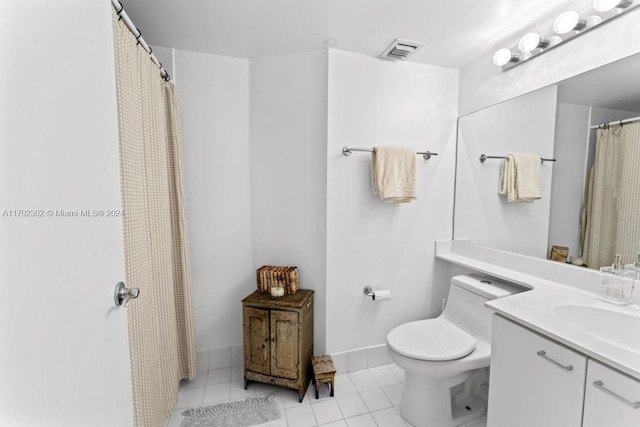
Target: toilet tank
[{"x": 465, "y": 304}]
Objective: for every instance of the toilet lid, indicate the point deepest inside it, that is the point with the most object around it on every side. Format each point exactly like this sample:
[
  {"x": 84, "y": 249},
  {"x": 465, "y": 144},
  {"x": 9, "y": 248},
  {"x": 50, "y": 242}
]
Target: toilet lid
[{"x": 431, "y": 339}]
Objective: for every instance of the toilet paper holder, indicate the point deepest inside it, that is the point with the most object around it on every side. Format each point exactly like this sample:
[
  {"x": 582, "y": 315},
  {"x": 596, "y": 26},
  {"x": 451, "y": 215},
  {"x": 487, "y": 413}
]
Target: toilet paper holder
[
  {"x": 368, "y": 291},
  {"x": 383, "y": 295}
]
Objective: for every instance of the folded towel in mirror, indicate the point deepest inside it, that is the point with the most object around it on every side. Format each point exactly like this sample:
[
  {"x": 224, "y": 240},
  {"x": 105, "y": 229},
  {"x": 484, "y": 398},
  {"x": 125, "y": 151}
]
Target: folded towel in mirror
[{"x": 520, "y": 178}]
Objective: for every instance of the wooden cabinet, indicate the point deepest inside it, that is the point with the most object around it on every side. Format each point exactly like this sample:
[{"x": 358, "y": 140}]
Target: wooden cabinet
[
  {"x": 534, "y": 381},
  {"x": 278, "y": 339},
  {"x": 612, "y": 399}
]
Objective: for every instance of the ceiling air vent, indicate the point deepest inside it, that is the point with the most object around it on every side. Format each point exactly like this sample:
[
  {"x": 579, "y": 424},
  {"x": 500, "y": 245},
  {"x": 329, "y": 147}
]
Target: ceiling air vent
[{"x": 400, "y": 50}]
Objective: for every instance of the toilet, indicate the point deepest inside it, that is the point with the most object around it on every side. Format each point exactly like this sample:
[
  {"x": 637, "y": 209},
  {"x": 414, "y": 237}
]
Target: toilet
[{"x": 444, "y": 359}]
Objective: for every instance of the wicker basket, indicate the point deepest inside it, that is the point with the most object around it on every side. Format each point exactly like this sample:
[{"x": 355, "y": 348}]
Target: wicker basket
[{"x": 285, "y": 277}]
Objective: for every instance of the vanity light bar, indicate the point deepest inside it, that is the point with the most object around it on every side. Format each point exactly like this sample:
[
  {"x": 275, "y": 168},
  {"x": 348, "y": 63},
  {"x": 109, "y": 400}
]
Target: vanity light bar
[{"x": 567, "y": 26}]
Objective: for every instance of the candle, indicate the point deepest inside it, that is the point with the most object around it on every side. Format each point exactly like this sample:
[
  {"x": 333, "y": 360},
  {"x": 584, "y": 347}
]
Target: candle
[{"x": 277, "y": 292}]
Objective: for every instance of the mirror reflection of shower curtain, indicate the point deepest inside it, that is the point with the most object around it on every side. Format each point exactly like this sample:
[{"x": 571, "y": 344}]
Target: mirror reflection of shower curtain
[
  {"x": 611, "y": 216},
  {"x": 160, "y": 325}
]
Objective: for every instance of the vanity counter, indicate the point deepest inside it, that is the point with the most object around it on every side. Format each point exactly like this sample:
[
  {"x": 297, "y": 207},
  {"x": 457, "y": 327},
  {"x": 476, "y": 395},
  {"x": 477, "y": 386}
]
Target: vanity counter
[{"x": 538, "y": 310}]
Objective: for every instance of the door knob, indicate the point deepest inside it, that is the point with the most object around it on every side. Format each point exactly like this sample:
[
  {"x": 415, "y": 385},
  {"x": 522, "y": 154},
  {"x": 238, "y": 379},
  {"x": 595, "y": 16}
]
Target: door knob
[{"x": 122, "y": 295}]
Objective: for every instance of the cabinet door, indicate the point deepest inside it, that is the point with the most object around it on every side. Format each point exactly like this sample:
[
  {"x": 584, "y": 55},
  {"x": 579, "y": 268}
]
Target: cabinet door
[
  {"x": 612, "y": 399},
  {"x": 534, "y": 382},
  {"x": 256, "y": 340},
  {"x": 284, "y": 344}
]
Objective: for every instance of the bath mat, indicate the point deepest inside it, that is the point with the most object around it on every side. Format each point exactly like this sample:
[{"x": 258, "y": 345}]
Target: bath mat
[{"x": 251, "y": 412}]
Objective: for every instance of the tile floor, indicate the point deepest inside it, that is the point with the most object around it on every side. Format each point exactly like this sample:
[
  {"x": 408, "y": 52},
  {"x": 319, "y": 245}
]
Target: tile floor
[{"x": 367, "y": 398}]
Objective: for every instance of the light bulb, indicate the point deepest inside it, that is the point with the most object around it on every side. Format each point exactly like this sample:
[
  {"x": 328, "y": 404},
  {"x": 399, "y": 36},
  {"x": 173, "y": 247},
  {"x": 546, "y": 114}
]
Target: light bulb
[
  {"x": 567, "y": 22},
  {"x": 532, "y": 41},
  {"x": 504, "y": 56},
  {"x": 607, "y": 5}
]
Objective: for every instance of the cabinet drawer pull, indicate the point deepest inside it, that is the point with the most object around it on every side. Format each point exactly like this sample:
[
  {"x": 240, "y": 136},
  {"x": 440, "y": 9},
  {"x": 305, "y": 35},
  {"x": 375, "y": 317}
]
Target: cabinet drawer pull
[
  {"x": 543, "y": 354},
  {"x": 600, "y": 386}
]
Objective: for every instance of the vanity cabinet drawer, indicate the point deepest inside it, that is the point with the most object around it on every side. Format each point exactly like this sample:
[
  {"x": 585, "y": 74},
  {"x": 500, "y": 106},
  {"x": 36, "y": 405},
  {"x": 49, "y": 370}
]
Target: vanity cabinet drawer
[
  {"x": 612, "y": 399},
  {"x": 534, "y": 381}
]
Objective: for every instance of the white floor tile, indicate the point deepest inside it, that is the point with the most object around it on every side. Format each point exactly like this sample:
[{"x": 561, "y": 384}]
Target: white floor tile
[
  {"x": 384, "y": 376},
  {"x": 219, "y": 376},
  {"x": 237, "y": 373},
  {"x": 480, "y": 422},
  {"x": 376, "y": 400},
  {"x": 365, "y": 420},
  {"x": 190, "y": 397},
  {"x": 301, "y": 416},
  {"x": 324, "y": 393},
  {"x": 327, "y": 411},
  {"x": 216, "y": 393},
  {"x": 388, "y": 418},
  {"x": 362, "y": 381},
  {"x": 175, "y": 419},
  {"x": 203, "y": 361},
  {"x": 199, "y": 381},
  {"x": 237, "y": 357},
  {"x": 236, "y": 389},
  {"x": 344, "y": 386},
  {"x": 398, "y": 371},
  {"x": 394, "y": 393},
  {"x": 352, "y": 405},
  {"x": 341, "y": 423},
  {"x": 290, "y": 398}
]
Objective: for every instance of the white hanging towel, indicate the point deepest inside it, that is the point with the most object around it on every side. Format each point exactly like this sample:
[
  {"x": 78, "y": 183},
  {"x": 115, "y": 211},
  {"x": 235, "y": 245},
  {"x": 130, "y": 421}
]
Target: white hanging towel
[
  {"x": 520, "y": 178},
  {"x": 394, "y": 173}
]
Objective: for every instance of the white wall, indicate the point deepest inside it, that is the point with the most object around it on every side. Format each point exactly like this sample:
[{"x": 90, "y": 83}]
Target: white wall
[
  {"x": 65, "y": 356},
  {"x": 483, "y": 84},
  {"x": 213, "y": 101},
  {"x": 288, "y": 152},
  {"x": 522, "y": 125},
  {"x": 567, "y": 191},
  {"x": 388, "y": 246}
]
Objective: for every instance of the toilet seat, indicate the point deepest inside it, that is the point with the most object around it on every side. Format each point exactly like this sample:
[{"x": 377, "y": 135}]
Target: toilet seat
[{"x": 431, "y": 339}]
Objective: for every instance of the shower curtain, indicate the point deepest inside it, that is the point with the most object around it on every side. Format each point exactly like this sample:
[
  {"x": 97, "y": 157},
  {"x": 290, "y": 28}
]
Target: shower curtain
[
  {"x": 160, "y": 326},
  {"x": 611, "y": 218}
]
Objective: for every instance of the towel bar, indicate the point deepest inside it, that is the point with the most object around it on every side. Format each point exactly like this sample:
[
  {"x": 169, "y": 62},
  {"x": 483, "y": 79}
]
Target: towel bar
[
  {"x": 347, "y": 152},
  {"x": 484, "y": 157}
]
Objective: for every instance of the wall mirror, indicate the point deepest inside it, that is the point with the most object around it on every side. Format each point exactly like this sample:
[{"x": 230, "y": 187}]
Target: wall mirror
[{"x": 557, "y": 122}]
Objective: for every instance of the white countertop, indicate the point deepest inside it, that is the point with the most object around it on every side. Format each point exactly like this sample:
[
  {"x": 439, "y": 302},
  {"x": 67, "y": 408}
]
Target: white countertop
[{"x": 535, "y": 310}]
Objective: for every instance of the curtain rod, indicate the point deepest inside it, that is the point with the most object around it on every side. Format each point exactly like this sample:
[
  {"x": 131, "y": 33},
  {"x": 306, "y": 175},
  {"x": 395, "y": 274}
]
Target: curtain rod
[
  {"x": 136, "y": 32},
  {"x": 615, "y": 123}
]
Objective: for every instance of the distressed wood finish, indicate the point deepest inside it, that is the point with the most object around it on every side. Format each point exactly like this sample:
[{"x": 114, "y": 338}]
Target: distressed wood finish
[
  {"x": 285, "y": 328},
  {"x": 256, "y": 340},
  {"x": 324, "y": 372},
  {"x": 284, "y": 344}
]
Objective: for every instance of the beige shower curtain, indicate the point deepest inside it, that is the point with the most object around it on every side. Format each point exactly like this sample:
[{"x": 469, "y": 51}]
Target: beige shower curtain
[
  {"x": 611, "y": 220},
  {"x": 161, "y": 338}
]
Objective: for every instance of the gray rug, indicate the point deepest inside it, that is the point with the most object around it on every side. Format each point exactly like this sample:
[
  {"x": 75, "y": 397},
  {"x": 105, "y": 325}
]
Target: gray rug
[{"x": 251, "y": 412}]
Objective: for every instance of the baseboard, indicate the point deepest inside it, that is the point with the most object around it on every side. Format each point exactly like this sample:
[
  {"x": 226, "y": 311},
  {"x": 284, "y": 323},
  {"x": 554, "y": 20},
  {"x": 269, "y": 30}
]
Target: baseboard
[
  {"x": 345, "y": 361},
  {"x": 360, "y": 358}
]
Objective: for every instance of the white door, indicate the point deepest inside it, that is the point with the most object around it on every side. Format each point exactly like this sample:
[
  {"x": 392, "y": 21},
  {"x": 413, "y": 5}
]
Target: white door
[{"x": 63, "y": 343}]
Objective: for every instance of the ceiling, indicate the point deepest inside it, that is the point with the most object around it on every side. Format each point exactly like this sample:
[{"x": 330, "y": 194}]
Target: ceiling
[{"x": 456, "y": 31}]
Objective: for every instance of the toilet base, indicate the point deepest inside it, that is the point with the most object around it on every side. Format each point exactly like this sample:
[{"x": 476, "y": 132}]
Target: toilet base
[{"x": 427, "y": 403}]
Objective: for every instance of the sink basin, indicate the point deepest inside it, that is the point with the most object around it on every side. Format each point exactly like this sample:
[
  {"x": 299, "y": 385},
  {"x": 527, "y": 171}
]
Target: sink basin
[{"x": 615, "y": 327}]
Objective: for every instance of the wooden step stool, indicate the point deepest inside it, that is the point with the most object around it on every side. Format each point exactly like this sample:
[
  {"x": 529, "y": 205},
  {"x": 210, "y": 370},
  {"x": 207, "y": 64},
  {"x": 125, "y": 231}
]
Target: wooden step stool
[{"x": 324, "y": 372}]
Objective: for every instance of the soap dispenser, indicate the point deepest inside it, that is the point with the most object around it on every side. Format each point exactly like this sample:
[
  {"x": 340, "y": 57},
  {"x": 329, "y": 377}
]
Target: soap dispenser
[{"x": 617, "y": 281}]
